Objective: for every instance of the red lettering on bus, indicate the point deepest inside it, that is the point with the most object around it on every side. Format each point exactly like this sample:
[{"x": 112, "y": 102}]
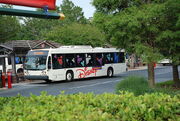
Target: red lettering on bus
[{"x": 85, "y": 72}]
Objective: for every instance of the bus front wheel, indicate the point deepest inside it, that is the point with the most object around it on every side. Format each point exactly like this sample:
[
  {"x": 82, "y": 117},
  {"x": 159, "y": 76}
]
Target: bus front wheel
[
  {"x": 69, "y": 76},
  {"x": 110, "y": 72},
  {"x": 48, "y": 81}
]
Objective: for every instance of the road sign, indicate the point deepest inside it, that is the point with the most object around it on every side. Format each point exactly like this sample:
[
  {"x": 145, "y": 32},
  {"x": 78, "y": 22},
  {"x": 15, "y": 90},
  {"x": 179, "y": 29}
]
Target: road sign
[{"x": 32, "y": 3}]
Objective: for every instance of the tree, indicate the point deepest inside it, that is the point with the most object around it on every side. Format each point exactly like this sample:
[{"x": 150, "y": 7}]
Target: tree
[
  {"x": 9, "y": 27},
  {"x": 134, "y": 27},
  {"x": 73, "y": 13},
  {"x": 35, "y": 28},
  {"x": 76, "y": 34},
  {"x": 169, "y": 43}
]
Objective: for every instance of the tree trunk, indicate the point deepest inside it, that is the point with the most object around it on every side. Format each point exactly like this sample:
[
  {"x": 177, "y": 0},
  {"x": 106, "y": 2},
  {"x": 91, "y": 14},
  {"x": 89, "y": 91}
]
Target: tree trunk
[
  {"x": 151, "y": 79},
  {"x": 176, "y": 75},
  {"x": 132, "y": 61}
]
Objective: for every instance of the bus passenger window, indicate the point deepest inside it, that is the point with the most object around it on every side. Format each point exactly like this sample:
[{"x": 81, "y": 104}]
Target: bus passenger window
[
  {"x": 89, "y": 59},
  {"x": 98, "y": 59},
  {"x": 109, "y": 58},
  {"x": 80, "y": 60},
  {"x": 9, "y": 60},
  {"x": 57, "y": 61},
  {"x": 116, "y": 57},
  {"x": 121, "y": 57},
  {"x": 70, "y": 61}
]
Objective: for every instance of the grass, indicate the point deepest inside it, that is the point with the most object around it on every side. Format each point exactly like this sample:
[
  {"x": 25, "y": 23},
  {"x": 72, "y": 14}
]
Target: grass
[
  {"x": 167, "y": 87},
  {"x": 166, "y": 83},
  {"x": 139, "y": 86},
  {"x": 135, "y": 84}
]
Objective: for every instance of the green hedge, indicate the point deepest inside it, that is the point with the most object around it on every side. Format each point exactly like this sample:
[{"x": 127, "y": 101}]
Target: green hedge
[
  {"x": 90, "y": 107},
  {"x": 137, "y": 85}
]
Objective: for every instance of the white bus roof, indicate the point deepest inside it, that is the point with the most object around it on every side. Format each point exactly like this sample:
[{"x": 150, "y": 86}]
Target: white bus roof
[{"x": 81, "y": 49}]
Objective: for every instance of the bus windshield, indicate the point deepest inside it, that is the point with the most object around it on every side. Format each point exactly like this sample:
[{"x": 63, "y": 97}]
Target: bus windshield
[{"x": 36, "y": 60}]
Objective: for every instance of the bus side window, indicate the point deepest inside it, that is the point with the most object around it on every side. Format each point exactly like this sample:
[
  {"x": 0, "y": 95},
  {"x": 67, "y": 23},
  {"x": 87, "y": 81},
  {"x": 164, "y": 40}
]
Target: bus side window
[
  {"x": 69, "y": 61},
  {"x": 49, "y": 62},
  {"x": 109, "y": 58},
  {"x": 9, "y": 60},
  {"x": 122, "y": 58},
  {"x": 98, "y": 59},
  {"x": 89, "y": 59},
  {"x": 116, "y": 58},
  {"x": 57, "y": 61},
  {"x": 17, "y": 60},
  {"x": 80, "y": 60}
]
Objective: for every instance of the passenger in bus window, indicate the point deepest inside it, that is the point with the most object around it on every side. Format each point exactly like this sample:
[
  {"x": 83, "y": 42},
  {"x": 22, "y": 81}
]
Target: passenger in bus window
[
  {"x": 116, "y": 57},
  {"x": 107, "y": 58},
  {"x": 89, "y": 60},
  {"x": 60, "y": 60},
  {"x": 57, "y": 61},
  {"x": 82, "y": 63},
  {"x": 99, "y": 61}
]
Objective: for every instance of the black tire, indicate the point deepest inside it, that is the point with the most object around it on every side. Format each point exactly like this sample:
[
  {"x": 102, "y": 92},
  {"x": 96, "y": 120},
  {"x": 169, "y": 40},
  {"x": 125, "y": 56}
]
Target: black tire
[
  {"x": 20, "y": 74},
  {"x": 69, "y": 76},
  {"x": 110, "y": 72},
  {"x": 48, "y": 81}
]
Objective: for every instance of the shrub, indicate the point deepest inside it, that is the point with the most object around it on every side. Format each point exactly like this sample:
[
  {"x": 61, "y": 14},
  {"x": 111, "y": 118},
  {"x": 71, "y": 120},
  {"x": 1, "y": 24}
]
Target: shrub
[
  {"x": 135, "y": 84},
  {"x": 166, "y": 83},
  {"x": 90, "y": 107}
]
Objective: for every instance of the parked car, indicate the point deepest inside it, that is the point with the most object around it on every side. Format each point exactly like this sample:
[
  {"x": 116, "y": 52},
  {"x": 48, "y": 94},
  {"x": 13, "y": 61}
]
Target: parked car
[{"x": 165, "y": 62}]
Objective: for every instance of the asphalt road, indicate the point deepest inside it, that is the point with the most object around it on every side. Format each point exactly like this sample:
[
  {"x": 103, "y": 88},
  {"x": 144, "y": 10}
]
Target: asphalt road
[{"x": 95, "y": 85}]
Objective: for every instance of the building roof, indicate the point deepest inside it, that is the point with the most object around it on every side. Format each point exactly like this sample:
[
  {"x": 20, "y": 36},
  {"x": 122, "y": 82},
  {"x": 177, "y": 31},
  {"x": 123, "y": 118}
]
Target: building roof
[{"x": 29, "y": 43}]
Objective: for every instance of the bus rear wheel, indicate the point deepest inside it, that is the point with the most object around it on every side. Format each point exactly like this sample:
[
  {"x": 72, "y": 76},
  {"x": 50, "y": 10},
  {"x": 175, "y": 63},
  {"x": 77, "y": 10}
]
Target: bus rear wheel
[
  {"x": 69, "y": 76},
  {"x": 110, "y": 72}
]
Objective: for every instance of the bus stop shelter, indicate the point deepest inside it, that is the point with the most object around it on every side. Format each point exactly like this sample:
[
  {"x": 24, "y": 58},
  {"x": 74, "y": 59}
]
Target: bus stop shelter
[{"x": 4, "y": 53}]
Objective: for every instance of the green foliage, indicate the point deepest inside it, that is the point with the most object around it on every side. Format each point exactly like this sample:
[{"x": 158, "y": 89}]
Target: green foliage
[
  {"x": 77, "y": 34},
  {"x": 34, "y": 28},
  {"x": 137, "y": 85},
  {"x": 73, "y": 13},
  {"x": 90, "y": 107},
  {"x": 116, "y": 6},
  {"x": 138, "y": 26},
  {"x": 168, "y": 83},
  {"x": 148, "y": 28},
  {"x": 9, "y": 28},
  {"x": 168, "y": 39}
]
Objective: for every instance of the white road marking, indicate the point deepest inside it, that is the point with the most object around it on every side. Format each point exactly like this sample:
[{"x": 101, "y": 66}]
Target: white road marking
[
  {"x": 94, "y": 84},
  {"x": 35, "y": 85}
]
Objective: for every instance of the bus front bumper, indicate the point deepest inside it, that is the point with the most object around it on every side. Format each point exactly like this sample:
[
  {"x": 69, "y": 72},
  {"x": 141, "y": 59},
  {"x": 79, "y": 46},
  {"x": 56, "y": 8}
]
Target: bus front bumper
[{"x": 35, "y": 77}]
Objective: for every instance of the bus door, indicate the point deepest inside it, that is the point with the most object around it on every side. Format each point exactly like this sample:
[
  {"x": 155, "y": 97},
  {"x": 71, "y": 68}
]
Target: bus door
[{"x": 57, "y": 72}]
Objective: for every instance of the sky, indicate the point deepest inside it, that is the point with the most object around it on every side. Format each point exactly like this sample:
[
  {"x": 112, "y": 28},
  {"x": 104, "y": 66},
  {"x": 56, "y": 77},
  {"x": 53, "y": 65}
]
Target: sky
[{"x": 88, "y": 9}]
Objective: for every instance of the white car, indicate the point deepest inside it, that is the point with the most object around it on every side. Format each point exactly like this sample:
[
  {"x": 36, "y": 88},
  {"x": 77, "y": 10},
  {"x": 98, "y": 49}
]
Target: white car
[{"x": 165, "y": 62}]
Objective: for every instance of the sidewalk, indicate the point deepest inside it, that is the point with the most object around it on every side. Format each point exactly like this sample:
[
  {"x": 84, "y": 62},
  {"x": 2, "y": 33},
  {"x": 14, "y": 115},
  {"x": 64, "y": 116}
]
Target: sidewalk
[
  {"x": 142, "y": 68},
  {"x": 137, "y": 68}
]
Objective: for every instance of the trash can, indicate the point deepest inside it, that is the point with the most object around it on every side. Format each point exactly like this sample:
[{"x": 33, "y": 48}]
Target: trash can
[{"x": 0, "y": 78}]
